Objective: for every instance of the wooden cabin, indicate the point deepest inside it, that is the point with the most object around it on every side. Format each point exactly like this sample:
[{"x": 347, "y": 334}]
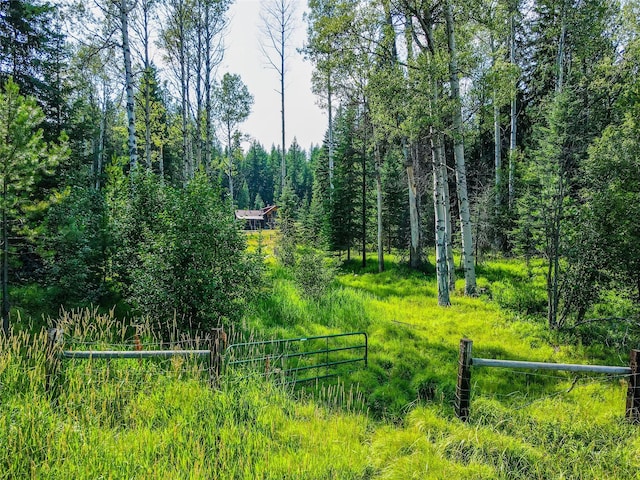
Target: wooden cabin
[{"x": 265, "y": 218}]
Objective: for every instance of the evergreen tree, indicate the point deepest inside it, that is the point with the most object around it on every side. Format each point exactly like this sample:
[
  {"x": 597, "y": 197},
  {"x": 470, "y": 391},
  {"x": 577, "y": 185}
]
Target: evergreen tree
[
  {"x": 24, "y": 158},
  {"x": 32, "y": 53},
  {"x": 343, "y": 205}
]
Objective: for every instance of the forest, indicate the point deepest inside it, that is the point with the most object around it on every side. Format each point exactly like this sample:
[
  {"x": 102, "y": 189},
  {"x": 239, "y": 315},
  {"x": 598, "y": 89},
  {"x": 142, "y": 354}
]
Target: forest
[{"x": 479, "y": 177}]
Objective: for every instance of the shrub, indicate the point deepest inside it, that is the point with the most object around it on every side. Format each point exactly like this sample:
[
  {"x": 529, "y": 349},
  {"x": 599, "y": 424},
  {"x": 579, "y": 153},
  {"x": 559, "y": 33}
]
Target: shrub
[
  {"x": 314, "y": 274},
  {"x": 196, "y": 264}
]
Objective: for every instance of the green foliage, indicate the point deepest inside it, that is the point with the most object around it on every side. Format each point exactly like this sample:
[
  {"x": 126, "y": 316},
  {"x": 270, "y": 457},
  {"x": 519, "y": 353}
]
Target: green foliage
[
  {"x": 522, "y": 426},
  {"x": 194, "y": 262},
  {"x": 299, "y": 172},
  {"x": 159, "y": 419},
  {"x": 152, "y": 112},
  {"x": 518, "y": 297},
  {"x": 25, "y": 156},
  {"x": 260, "y": 176},
  {"x": 344, "y": 200},
  {"x": 547, "y": 212},
  {"x": 24, "y": 159},
  {"x": 286, "y": 247},
  {"x": 75, "y": 248},
  {"x": 33, "y": 55},
  {"x": 612, "y": 204},
  {"x": 313, "y": 273}
]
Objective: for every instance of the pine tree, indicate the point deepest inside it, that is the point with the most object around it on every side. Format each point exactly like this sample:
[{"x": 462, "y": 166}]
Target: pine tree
[{"x": 24, "y": 158}]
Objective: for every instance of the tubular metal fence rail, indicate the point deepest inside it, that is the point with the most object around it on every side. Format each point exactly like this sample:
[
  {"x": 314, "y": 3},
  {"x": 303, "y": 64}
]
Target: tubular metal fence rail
[
  {"x": 286, "y": 358},
  {"x": 466, "y": 361}
]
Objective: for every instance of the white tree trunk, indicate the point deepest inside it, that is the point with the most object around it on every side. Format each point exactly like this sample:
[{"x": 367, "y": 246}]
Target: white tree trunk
[
  {"x": 147, "y": 100},
  {"x": 458, "y": 150},
  {"x": 230, "y": 165},
  {"x": 378, "y": 156},
  {"x": 131, "y": 116},
  {"x": 448, "y": 225},
  {"x": 415, "y": 253},
  {"x": 497, "y": 147},
  {"x": 513, "y": 115},
  {"x": 330, "y": 108},
  {"x": 440, "y": 207}
]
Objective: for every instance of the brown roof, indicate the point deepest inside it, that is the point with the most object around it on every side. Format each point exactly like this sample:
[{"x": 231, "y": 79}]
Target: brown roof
[
  {"x": 250, "y": 214},
  {"x": 255, "y": 214}
]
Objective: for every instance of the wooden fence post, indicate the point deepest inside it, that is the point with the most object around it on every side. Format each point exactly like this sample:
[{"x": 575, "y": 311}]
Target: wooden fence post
[
  {"x": 633, "y": 392},
  {"x": 52, "y": 358},
  {"x": 217, "y": 343},
  {"x": 463, "y": 387}
]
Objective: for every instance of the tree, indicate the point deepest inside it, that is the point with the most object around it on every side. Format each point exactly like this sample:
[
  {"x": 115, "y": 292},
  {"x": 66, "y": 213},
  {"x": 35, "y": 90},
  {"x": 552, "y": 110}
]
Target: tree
[
  {"x": 30, "y": 53},
  {"x": 174, "y": 38},
  {"x": 124, "y": 8},
  {"x": 612, "y": 202},
  {"x": 233, "y": 106},
  {"x": 570, "y": 114},
  {"x": 278, "y": 24},
  {"x": 152, "y": 119},
  {"x": 260, "y": 179},
  {"x": 24, "y": 158},
  {"x": 142, "y": 26},
  {"x": 75, "y": 246},
  {"x": 195, "y": 262},
  {"x": 458, "y": 149}
]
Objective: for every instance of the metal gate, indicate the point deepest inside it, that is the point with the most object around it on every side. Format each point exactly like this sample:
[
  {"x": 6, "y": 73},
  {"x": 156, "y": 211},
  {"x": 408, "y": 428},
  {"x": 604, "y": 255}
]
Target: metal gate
[{"x": 300, "y": 359}]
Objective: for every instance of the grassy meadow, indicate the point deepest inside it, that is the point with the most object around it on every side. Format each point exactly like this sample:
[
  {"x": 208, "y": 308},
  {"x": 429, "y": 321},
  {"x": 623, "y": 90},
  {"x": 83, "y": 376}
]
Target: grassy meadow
[{"x": 392, "y": 420}]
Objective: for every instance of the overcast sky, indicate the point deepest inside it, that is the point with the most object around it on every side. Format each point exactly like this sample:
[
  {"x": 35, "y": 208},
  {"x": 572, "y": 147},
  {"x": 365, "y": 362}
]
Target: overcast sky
[{"x": 304, "y": 119}]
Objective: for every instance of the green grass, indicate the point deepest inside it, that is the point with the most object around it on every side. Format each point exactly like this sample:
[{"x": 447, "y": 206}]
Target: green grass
[{"x": 393, "y": 420}]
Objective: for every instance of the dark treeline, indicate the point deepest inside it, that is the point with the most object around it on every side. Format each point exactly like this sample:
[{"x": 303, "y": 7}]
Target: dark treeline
[{"x": 480, "y": 126}]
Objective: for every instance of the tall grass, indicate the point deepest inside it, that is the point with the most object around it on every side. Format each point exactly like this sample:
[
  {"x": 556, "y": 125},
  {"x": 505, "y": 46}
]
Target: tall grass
[
  {"x": 159, "y": 419},
  {"x": 393, "y": 420}
]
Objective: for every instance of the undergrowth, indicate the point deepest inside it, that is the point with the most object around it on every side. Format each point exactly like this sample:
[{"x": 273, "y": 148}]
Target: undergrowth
[{"x": 392, "y": 420}]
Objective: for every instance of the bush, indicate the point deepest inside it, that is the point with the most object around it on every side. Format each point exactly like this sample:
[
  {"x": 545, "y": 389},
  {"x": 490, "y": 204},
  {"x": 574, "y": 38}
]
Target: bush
[
  {"x": 195, "y": 264},
  {"x": 313, "y": 273}
]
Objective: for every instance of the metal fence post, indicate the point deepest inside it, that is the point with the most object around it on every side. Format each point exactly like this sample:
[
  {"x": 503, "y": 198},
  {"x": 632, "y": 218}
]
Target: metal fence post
[
  {"x": 633, "y": 392},
  {"x": 463, "y": 386}
]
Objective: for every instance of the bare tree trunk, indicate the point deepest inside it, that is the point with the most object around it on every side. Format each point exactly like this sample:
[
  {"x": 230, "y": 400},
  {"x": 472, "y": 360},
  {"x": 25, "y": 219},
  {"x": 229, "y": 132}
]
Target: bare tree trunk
[
  {"x": 497, "y": 147},
  {"x": 101, "y": 134},
  {"x": 184, "y": 88},
  {"x": 380, "y": 238},
  {"x": 5, "y": 256},
  {"x": 147, "y": 93},
  {"x": 284, "y": 145},
  {"x": 131, "y": 116},
  {"x": 278, "y": 23},
  {"x": 198, "y": 79},
  {"x": 458, "y": 148},
  {"x": 329, "y": 99},
  {"x": 513, "y": 115},
  {"x": 561, "y": 53},
  {"x": 364, "y": 202},
  {"x": 230, "y": 164},
  {"x": 440, "y": 208},
  {"x": 207, "y": 86},
  {"x": 415, "y": 252},
  {"x": 448, "y": 225}
]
